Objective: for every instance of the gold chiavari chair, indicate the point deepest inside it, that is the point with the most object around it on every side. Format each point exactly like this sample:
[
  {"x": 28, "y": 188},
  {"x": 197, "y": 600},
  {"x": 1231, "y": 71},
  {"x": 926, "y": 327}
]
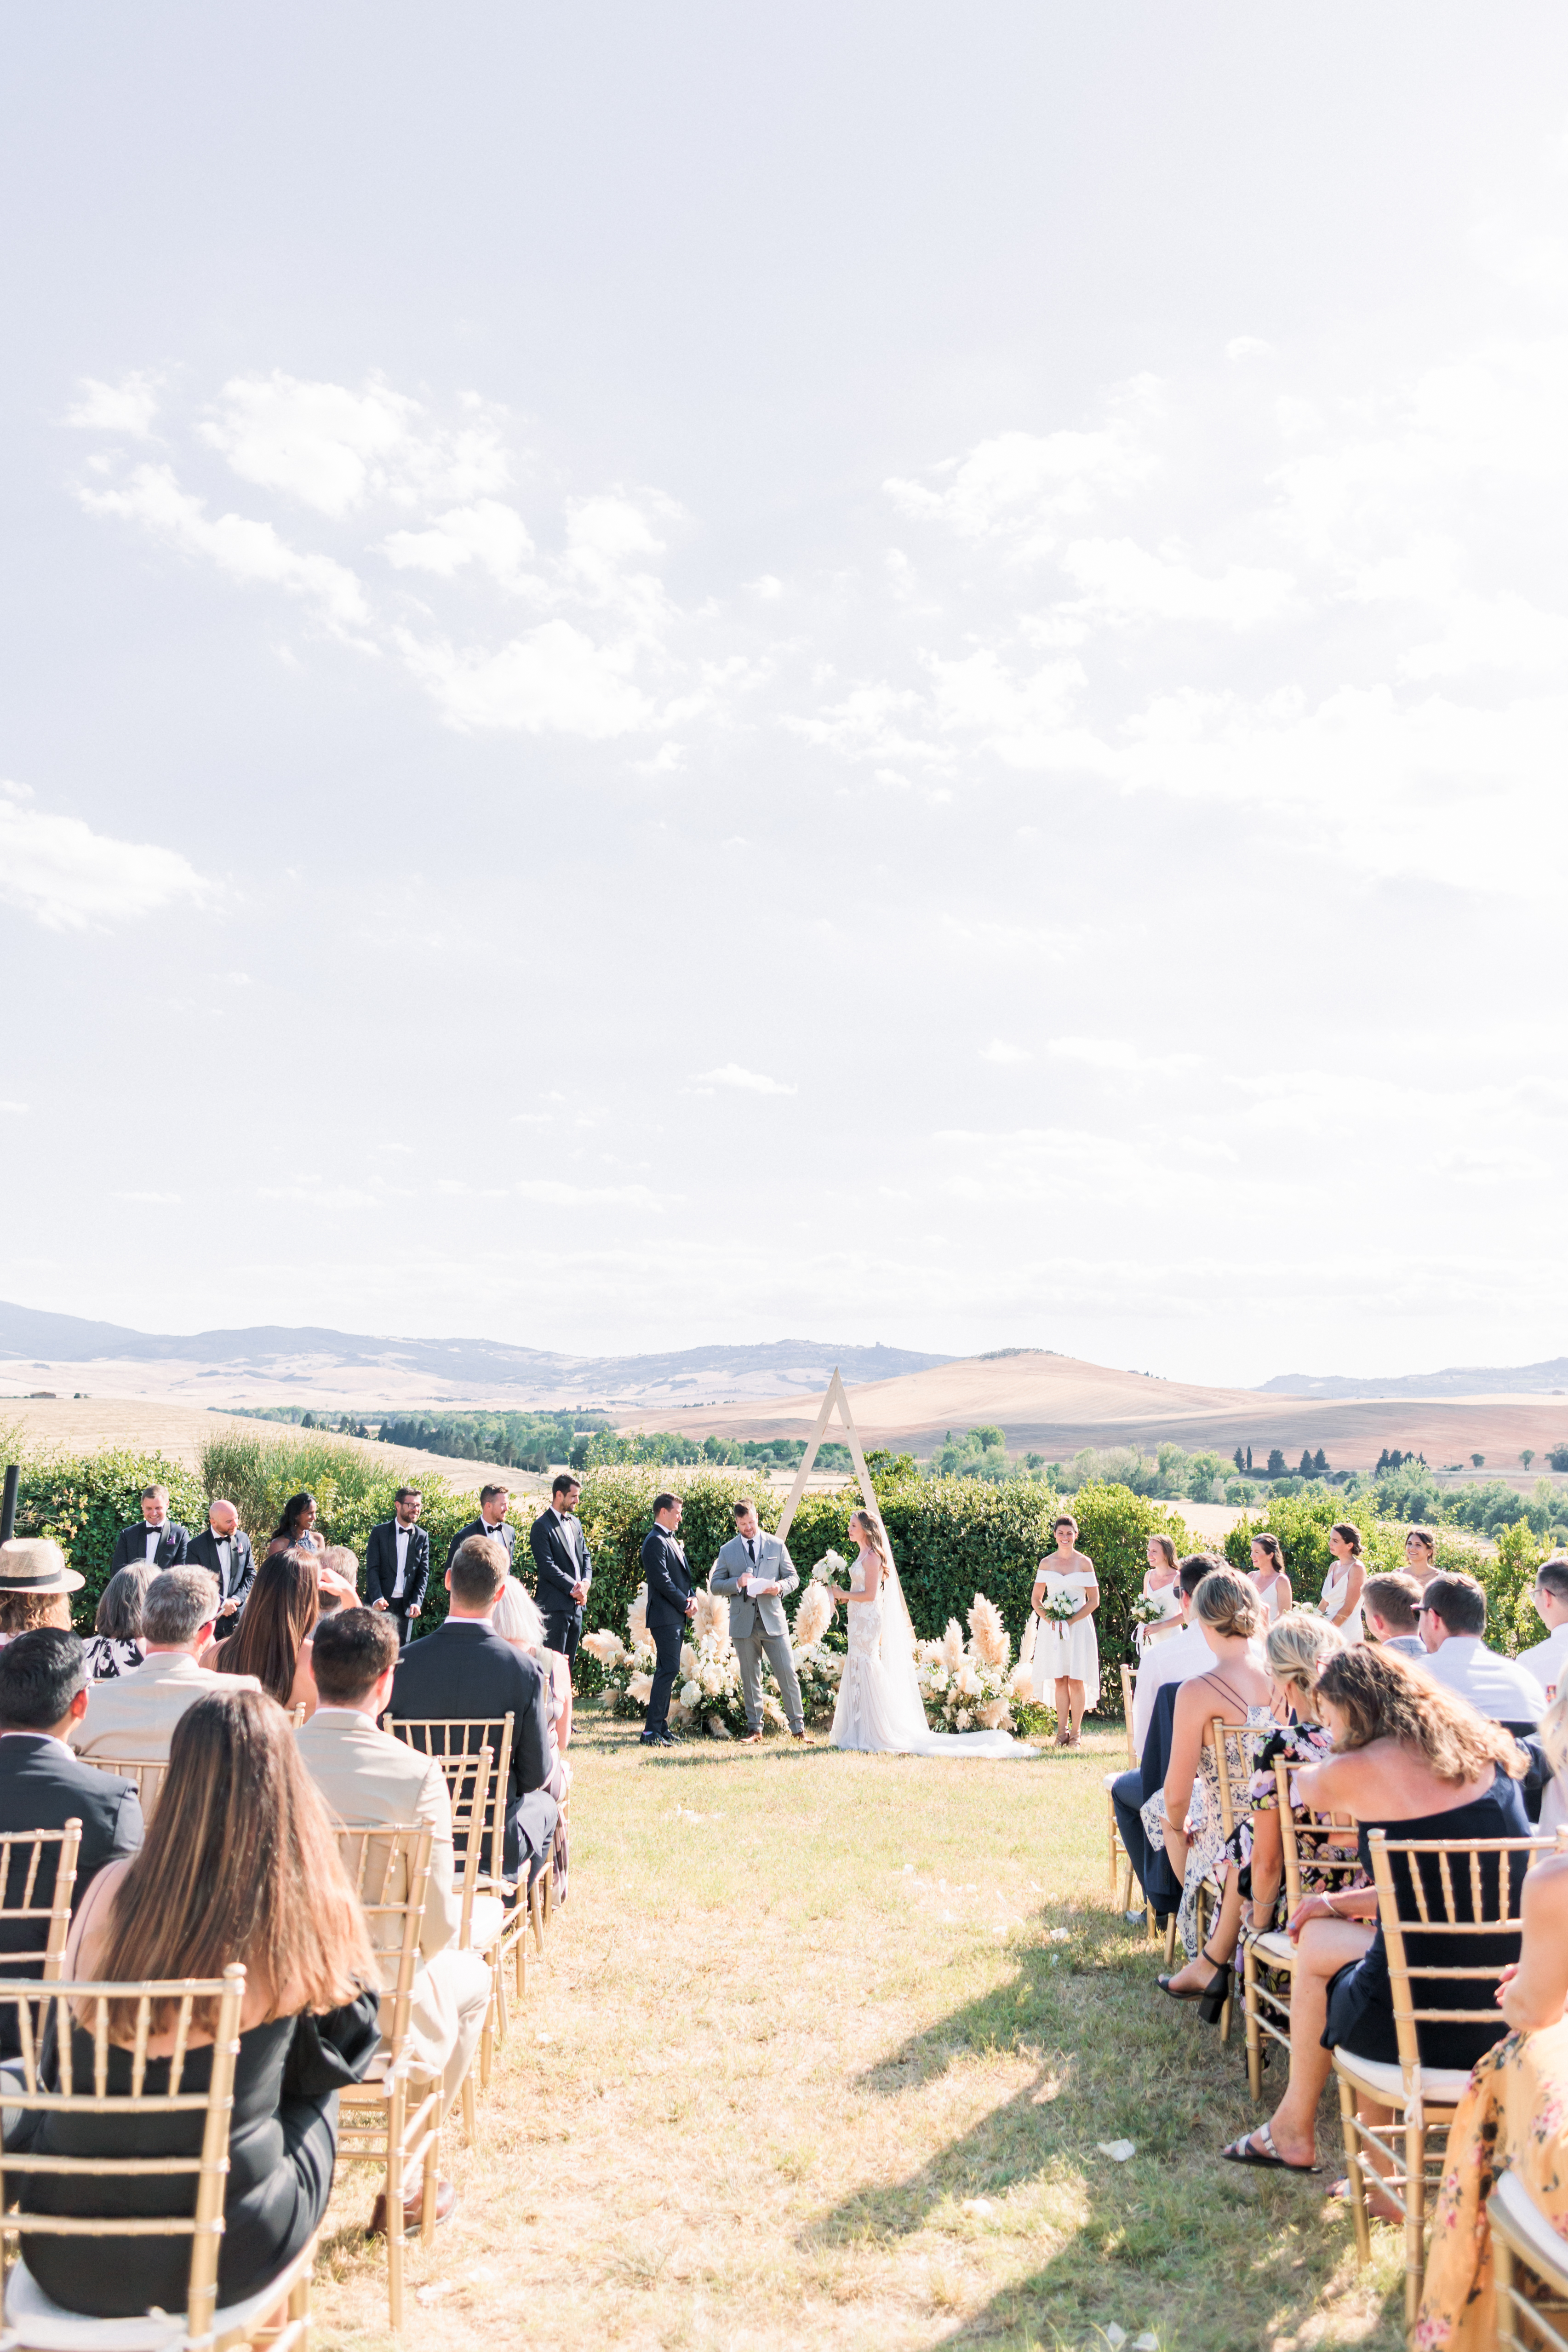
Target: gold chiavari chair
[
  {"x": 1524, "y": 2239},
  {"x": 1211, "y": 1892},
  {"x": 500, "y": 1928},
  {"x": 393, "y": 2118},
  {"x": 1118, "y": 1857},
  {"x": 113, "y": 2081},
  {"x": 467, "y": 1779},
  {"x": 147, "y": 1771},
  {"x": 1419, "y": 1885},
  {"x": 47, "y": 1913},
  {"x": 1304, "y": 1838}
]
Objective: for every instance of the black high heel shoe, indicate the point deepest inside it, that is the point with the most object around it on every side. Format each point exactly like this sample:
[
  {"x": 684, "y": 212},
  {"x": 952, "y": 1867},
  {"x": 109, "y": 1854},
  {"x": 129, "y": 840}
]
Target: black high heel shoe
[{"x": 1210, "y": 1998}]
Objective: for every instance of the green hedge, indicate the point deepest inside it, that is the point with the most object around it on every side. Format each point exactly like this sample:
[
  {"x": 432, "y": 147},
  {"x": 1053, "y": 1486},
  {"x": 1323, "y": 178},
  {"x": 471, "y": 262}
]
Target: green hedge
[{"x": 84, "y": 1503}]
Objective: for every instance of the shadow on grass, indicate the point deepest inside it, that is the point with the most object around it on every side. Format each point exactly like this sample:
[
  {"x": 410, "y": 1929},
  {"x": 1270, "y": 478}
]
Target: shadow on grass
[{"x": 1208, "y": 2254}]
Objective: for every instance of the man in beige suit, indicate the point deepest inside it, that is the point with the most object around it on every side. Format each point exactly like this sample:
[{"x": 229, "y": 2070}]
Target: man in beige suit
[
  {"x": 135, "y": 1713},
  {"x": 366, "y": 1776}
]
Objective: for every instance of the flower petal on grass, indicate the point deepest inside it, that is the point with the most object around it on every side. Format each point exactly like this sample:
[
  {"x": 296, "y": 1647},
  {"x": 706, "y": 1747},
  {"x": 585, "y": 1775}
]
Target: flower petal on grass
[{"x": 1118, "y": 2150}]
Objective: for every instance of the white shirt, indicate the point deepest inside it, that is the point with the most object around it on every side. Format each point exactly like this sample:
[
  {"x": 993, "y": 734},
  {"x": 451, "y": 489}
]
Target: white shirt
[
  {"x": 154, "y": 1537},
  {"x": 1547, "y": 1660},
  {"x": 1497, "y": 1688},
  {"x": 1175, "y": 1660},
  {"x": 401, "y": 1536},
  {"x": 225, "y": 1556}
]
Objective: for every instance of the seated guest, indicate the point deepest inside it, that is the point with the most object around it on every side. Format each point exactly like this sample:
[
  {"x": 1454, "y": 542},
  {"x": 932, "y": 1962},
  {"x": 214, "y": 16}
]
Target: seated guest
[
  {"x": 36, "y": 1586},
  {"x": 366, "y": 1776},
  {"x": 1453, "y": 1620},
  {"x": 1508, "y": 2120},
  {"x": 517, "y": 1620},
  {"x": 239, "y": 1865},
  {"x": 1413, "y": 1760},
  {"x": 135, "y": 1714},
  {"x": 337, "y": 1579},
  {"x": 1179, "y": 1658},
  {"x": 115, "y": 1645},
  {"x": 1229, "y": 1613},
  {"x": 272, "y": 1643},
  {"x": 1545, "y": 1661},
  {"x": 155, "y": 1538},
  {"x": 464, "y": 1669},
  {"x": 223, "y": 1549},
  {"x": 1391, "y": 1606},
  {"x": 1253, "y": 1868},
  {"x": 43, "y": 1693},
  {"x": 296, "y": 1530}
]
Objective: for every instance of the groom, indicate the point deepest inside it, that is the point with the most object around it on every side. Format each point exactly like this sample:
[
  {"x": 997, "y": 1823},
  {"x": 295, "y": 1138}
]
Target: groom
[{"x": 756, "y": 1571}]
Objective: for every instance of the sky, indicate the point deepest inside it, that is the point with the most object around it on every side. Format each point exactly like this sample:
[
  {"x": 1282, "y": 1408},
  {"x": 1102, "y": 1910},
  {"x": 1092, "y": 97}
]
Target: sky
[{"x": 878, "y": 672}]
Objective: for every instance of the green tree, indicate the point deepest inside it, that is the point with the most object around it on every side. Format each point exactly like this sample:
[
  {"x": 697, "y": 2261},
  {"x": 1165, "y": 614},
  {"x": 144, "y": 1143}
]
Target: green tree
[
  {"x": 1275, "y": 1463},
  {"x": 1239, "y": 1460},
  {"x": 1304, "y": 1467},
  {"x": 1528, "y": 1455},
  {"x": 1478, "y": 1460}
]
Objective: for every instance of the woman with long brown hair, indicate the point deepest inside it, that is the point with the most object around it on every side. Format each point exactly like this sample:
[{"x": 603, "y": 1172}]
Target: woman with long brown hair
[
  {"x": 1269, "y": 1577},
  {"x": 240, "y": 1865},
  {"x": 1417, "y": 1760},
  {"x": 273, "y": 1642}
]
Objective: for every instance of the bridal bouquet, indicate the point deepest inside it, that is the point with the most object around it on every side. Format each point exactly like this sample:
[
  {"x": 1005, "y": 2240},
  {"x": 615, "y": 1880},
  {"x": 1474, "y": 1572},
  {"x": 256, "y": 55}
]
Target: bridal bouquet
[
  {"x": 1147, "y": 1610},
  {"x": 1060, "y": 1608},
  {"x": 828, "y": 1569},
  {"x": 969, "y": 1685}
]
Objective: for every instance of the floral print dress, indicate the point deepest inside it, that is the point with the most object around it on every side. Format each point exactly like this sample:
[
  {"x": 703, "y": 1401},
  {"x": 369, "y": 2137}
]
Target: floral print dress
[
  {"x": 1513, "y": 2119},
  {"x": 1205, "y": 1824},
  {"x": 1299, "y": 1744}
]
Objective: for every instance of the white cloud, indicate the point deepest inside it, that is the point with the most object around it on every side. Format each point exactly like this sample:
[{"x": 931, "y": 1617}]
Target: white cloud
[
  {"x": 1004, "y": 1055},
  {"x": 1018, "y": 487},
  {"x": 14, "y": 1109},
  {"x": 71, "y": 878},
  {"x": 1249, "y": 347},
  {"x": 1118, "y": 1055},
  {"x": 733, "y": 1080},
  {"x": 553, "y": 1194},
  {"x": 489, "y": 534},
  {"x": 245, "y": 549},
  {"x": 332, "y": 448},
  {"x": 127, "y": 406},
  {"x": 554, "y": 681},
  {"x": 1123, "y": 582}
]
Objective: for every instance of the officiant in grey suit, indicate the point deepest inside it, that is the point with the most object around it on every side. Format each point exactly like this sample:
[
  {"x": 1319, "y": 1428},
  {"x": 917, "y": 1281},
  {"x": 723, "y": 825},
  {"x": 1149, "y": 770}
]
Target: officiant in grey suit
[{"x": 756, "y": 1571}]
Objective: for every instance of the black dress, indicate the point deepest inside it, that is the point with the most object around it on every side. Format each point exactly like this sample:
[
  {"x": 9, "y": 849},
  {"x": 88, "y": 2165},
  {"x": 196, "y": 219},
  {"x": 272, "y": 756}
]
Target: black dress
[
  {"x": 1361, "y": 2000},
  {"x": 283, "y": 2144}
]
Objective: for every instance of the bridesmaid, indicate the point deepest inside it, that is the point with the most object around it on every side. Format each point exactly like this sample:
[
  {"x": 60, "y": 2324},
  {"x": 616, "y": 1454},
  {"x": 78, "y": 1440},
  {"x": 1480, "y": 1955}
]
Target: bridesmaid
[
  {"x": 1161, "y": 1582},
  {"x": 1065, "y": 1650},
  {"x": 1269, "y": 1576},
  {"x": 1341, "y": 1601},
  {"x": 1421, "y": 1555}
]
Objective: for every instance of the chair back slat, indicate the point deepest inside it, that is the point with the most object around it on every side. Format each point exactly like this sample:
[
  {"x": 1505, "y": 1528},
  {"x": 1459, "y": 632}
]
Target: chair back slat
[
  {"x": 467, "y": 1777},
  {"x": 1495, "y": 1903},
  {"x": 1129, "y": 1684},
  {"x": 444, "y": 1738},
  {"x": 87, "y": 2006},
  {"x": 23, "y": 1851},
  {"x": 390, "y": 1870},
  {"x": 1310, "y": 1838},
  {"x": 146, "y": 1771},
  {"x": 1218, "y": 1729}
]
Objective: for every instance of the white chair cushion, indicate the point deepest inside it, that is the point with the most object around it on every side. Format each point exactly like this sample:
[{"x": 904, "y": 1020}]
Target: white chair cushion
[
  {"x": 1110, "y": 1781},
  {"x": 1275, "y": 1946},
  {"x": 35, "y": 2322},
  {"x": 1439, "y": 2087},
  {"x": 487, "y": 1920},
  {"x": 1544, "y": 2249}
]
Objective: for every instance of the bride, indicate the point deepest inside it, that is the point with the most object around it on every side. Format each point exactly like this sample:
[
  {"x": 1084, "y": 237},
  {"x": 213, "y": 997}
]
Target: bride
[{"x": 879, "y": 1709}]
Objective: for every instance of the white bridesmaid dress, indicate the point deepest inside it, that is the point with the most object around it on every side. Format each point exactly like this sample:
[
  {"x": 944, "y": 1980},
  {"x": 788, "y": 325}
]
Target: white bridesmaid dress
[{"x": 1069, "y": 1650}]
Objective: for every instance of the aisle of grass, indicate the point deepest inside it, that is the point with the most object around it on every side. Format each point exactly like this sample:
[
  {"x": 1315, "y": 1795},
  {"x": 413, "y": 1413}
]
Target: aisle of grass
[{"x": 803, "y": 2011}]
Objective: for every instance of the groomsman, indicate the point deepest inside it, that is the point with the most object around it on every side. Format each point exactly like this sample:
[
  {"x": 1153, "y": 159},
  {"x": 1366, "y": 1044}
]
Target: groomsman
[
  {"x": 397, "y": 1564},
  {"x": 562, "y": 1569},
  {"x": 223, "y": 1549},
  {"x": 491, "y": 1521},
  {"x": 154, "y": 1537},
  {"x": 669, "y": 1606}
]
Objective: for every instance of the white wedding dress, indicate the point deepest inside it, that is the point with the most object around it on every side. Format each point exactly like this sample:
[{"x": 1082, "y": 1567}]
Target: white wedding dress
[{"x": 879, "y": 1710}]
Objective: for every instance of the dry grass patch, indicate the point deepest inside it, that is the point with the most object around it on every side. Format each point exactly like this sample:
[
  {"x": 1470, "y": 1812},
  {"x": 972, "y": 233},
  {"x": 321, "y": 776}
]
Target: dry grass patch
[{"x": 813, "y": 2065}]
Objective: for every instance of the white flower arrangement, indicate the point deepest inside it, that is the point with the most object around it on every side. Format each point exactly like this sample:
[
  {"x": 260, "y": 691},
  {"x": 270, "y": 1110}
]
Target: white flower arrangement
[
  {"x": 828, "y": 1569},
  {"x": 1060, "y": 1608},
  {"x": 1147, "y": 1610},
  {"x": 966, "y": 1683}
]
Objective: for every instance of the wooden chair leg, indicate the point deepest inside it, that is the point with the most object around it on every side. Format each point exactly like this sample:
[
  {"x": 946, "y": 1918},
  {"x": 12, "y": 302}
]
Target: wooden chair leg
[
  {"x": 466, "y": 2095},
  {"x": 394, "y": 2187},
  {"x": 1415, "y": 2219},
  {"x": 1171, "y": 1939},
  {"x": 1254, "y": 2032},
  {"x": 1110, "y": 1808},
  {"x": 1350, "y": 2129},
  {"x": 299, "y": 2309},
  {"x": 430, "y": 2184},
  {"x": 1502, "y": 2292}
]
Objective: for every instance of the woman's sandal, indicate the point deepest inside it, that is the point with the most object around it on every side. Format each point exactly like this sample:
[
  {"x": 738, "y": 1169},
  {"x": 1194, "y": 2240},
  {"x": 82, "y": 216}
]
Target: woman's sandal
[
  {"x": 1242, "y": 2151},
  {"x": 1215, "y": 1991}
]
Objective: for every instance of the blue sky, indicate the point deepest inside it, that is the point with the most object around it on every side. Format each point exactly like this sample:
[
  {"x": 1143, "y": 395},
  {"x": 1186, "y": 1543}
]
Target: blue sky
[{"x": 892, "y": 671}]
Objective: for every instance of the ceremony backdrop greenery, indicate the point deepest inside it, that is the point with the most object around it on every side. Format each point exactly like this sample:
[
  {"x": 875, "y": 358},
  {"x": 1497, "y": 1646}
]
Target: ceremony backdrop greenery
[{"x": 952, "y": 1537}]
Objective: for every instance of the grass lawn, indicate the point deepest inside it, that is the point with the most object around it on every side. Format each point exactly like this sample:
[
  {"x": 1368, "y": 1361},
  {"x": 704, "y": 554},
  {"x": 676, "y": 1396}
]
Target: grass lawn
[{"x": 802, "y": 2012}]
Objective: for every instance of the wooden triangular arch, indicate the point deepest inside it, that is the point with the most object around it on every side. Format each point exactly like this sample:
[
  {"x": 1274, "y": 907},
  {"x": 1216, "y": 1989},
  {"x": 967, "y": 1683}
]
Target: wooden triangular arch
[{"x": 835, "y": 1395}]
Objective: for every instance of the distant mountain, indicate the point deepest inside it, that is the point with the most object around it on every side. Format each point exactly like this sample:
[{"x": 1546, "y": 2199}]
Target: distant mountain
[
  {"x": 686, "y": 1375},
  {"x": 1550, "y": 1379}
]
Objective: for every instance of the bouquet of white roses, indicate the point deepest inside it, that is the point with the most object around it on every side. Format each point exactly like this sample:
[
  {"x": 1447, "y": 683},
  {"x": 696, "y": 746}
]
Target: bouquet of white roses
[
  {"x": 1149, "y": 1609},
  {"x": 1060, "y": 1608},
  {"x": 828, "y": 1569}
]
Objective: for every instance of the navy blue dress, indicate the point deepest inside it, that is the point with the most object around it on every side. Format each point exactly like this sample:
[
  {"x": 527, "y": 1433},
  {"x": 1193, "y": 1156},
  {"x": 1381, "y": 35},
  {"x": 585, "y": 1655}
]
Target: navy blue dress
[{"x": 1361, "y": 2000}]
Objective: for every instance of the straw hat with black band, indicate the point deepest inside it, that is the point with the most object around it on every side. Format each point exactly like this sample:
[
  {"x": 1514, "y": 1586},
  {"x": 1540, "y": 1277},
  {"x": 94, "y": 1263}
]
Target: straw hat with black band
[{"x": 34, "y": 1564}]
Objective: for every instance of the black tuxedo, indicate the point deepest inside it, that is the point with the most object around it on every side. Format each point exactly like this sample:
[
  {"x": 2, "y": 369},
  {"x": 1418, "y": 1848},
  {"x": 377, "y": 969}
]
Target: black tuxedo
[
  {"x": 505, "y": 1535},
  {"x": 668, "y": 1591},
  {"x": 202, "y": 1552},
  {"x": 131, "y": 1546},
  {"x": 42, "y": 1787},
  {"x": 381, "y": 1573},
  {"x": 464, "y": 1671},
  {"x": 559, "y": 1560}
]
